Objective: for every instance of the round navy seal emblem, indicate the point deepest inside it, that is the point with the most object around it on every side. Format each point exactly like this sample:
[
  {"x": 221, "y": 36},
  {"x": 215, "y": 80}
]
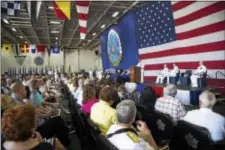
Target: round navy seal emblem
[{"x": 114, "y": 48}]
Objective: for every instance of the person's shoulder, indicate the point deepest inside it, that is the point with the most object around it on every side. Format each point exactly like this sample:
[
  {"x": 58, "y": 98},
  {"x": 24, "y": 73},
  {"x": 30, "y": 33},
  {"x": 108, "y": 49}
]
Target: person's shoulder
[
  {"x": 218, "y": 116},
  {"x": 43, "y": 146}
]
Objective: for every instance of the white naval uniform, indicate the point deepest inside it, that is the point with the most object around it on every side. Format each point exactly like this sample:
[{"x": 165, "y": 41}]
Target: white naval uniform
[
  {"x": 124, "y": 141},
  {"x": 173, "y": 73},
  {"x": 163, "y": 74},
  {"x": 194, "y": 77}
]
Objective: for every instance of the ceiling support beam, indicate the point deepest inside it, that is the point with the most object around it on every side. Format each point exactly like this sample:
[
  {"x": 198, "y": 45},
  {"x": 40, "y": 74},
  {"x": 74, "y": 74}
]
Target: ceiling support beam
[
  {"x": 24, "y": 36},
  {"x": 97, "y": 21},
  {"x": 61, "y": 33},
  {"x": 46, "y": 22},
  {"x": 13, "y": 38}
]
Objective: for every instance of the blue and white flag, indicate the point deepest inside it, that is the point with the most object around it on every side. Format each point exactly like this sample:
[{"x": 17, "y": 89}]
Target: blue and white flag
[
  {"x": 55, "y": 49},
  {"x": 10, "y": 7}
]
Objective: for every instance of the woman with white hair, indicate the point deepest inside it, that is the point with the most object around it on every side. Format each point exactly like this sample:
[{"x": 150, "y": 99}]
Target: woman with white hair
[
  {"x": 123, "y": 135},
  {"x": 205, "y": 117}
]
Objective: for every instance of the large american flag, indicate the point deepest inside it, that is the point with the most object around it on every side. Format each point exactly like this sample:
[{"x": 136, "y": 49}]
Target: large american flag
[{"x": 183, "y": 33}]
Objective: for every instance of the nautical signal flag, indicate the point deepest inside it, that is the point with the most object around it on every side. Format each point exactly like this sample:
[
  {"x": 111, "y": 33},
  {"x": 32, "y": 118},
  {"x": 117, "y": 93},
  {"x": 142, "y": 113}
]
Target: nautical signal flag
[
  {"x": 24, "y": 48},
  {"x": 10, "y": 8},
  {"x": 55, "y": 49},
  {"x": 82, "y": 8},
  {"x": 40, "y": 48},
  {"x": 6, "y": 48},
  {"x": 33, "y": 48},
  {"x": 62, "y": 9}
]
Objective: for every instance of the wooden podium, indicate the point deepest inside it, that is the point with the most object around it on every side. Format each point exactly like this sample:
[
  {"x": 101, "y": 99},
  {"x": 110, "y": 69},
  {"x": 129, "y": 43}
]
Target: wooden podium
[{"x": 135, "y": 74}]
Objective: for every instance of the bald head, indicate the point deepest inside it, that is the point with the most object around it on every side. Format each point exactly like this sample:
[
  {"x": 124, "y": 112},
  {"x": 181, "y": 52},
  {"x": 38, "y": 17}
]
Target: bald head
[{"x": 207, "y": 99}]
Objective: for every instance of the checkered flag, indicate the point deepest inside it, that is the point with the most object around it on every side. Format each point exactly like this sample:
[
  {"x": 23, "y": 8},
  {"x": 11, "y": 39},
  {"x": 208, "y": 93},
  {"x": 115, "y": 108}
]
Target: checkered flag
[{"x": 10, "y": 7}]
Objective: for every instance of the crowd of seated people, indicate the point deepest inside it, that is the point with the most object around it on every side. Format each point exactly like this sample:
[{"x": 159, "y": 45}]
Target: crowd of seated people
[
  {"x": 44, "y": 102},
  {"x": 112, "y": 105}
]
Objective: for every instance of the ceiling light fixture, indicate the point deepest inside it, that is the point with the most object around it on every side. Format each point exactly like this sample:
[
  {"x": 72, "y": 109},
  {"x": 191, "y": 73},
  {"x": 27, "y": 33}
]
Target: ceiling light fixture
[
  {"x": 21, "y": 37},
  {"x": 14, "y": 29},
  {"x": 103, "y": 26},
  {"x": 26, "y": 42},
  {"x": 56, "y": 38},
  {"x": 54, "y": 31},
  {"x": 94, "y": 34},
  {"x": 115, "y": 14},
  {"x": 55, "y": 22},
  {"x": 6, "y": 21},
  {"x": 50, "y": 7},
  {"x": 89, "y": 40}
]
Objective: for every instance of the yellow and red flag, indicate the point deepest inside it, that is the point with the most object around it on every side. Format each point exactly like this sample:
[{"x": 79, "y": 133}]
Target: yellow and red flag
[
  {"x": 24, "y": 48},
  {"x": 62, "y": 9}
]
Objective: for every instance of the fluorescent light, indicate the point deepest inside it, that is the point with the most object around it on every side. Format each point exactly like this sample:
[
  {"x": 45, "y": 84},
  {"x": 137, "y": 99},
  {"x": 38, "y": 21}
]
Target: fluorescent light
[
  {"x": 50, "y": 7},
  {"x": 103, "y": 26},
  {"x": 115, "y": 14},
  {"x": 55, "y": 22},
  {"x": 25, "y": 41},
  {"x": 54, "y": 31},
  {"x": 56, "y": 38},
  {"x": 21, "y": 37},
  {"x": 14, "y": 29},
  {"x": 94, "y": 34},
  {"x": 89, "y": 40},
  {"x": 6, "y": 21}
]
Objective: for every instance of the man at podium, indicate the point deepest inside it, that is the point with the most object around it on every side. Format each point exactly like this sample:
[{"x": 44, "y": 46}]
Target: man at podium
[{"x": 142, "y": 66}]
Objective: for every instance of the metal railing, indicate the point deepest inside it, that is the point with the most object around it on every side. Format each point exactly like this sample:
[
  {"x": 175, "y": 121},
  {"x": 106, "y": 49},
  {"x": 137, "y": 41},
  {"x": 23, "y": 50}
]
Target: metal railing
[{"x": 219, "y": 72}]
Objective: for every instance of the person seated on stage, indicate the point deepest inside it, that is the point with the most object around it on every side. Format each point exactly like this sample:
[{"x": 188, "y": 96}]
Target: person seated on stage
[
  {"x": 78, "y": 94},
  {"x": 123, "y": 135},
  {"x": 89, "y": 98},
  {"x": 101, "y": 112},
  {"x": 18, "y": 126},
  {"x": 148, "y": 98},
  {"x": 205, "y": 117},
  {"x": 131, "y": 92},
  {"x": 170, "y": 105},
  {"x": 173, "y": 72},
  {"x": 198, "y": 73},
  {"x": 162, "y": 75}
]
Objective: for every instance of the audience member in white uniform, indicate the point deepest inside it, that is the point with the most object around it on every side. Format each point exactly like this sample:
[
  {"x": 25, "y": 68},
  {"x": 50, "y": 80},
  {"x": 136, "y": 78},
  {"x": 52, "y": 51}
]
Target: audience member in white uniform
[
  {"x": 173, "y": 72},
  {"x": 198, "y": 73},
  {"x": 142, "y": 66},
  {"x": 78, "y": 95},
  {"x": 205, "y": 117},
  {"x": 90, "y": 74},
  {"x": 162, "y": 75},
  {"x": 123, "y": 135}
]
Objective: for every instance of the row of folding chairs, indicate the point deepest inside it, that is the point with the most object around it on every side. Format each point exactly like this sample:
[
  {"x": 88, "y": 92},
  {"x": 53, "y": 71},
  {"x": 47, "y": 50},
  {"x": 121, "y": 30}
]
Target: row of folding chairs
[{"x": 180, "y": 136}]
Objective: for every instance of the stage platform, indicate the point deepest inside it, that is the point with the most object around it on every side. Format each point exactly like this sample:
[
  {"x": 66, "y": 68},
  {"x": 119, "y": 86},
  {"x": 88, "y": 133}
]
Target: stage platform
[{"x": 186, "y": 94}]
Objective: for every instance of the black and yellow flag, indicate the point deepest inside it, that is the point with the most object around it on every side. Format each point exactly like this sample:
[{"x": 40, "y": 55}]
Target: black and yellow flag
[{"x": 6, "y": 48}]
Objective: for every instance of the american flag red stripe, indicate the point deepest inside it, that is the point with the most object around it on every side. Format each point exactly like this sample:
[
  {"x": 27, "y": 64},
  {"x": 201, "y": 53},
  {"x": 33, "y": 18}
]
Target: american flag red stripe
[
  {"x": 200, "y": 34},
  {"x": 82, "y": 8}
]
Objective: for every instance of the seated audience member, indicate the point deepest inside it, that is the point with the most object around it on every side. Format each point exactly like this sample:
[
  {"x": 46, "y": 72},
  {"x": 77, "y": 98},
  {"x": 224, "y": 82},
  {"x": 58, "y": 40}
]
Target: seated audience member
[
  {"x": 8, "y": 82},
  {"x": 170, "y": 105},
  {"x": 89, "y": 99},
  {"x": 18, "y": 128},
  {"x": 121, "y": 91},
  {"x": 4, "y": 88},
  {"x": 148, "y": 98},
  {"x": 131, "y": 92},
  {"x": 197, "y": 74},
  {"x": 49, "y": 128},
  {"x": 78, "y": 94},
  {"x": 42, "y": 85},
  {"x": 162, "y": 75},
  {"x": 123, "y": 135},
  {"x": 101, "y": 112},
  {"x": 35, "y": 97},
  {"x": 205, "y": 117}
]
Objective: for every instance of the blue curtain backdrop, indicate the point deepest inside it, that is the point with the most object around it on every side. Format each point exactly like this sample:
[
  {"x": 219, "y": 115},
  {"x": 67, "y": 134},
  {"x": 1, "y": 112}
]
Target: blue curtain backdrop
[{"x": 126, "y": 29}]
